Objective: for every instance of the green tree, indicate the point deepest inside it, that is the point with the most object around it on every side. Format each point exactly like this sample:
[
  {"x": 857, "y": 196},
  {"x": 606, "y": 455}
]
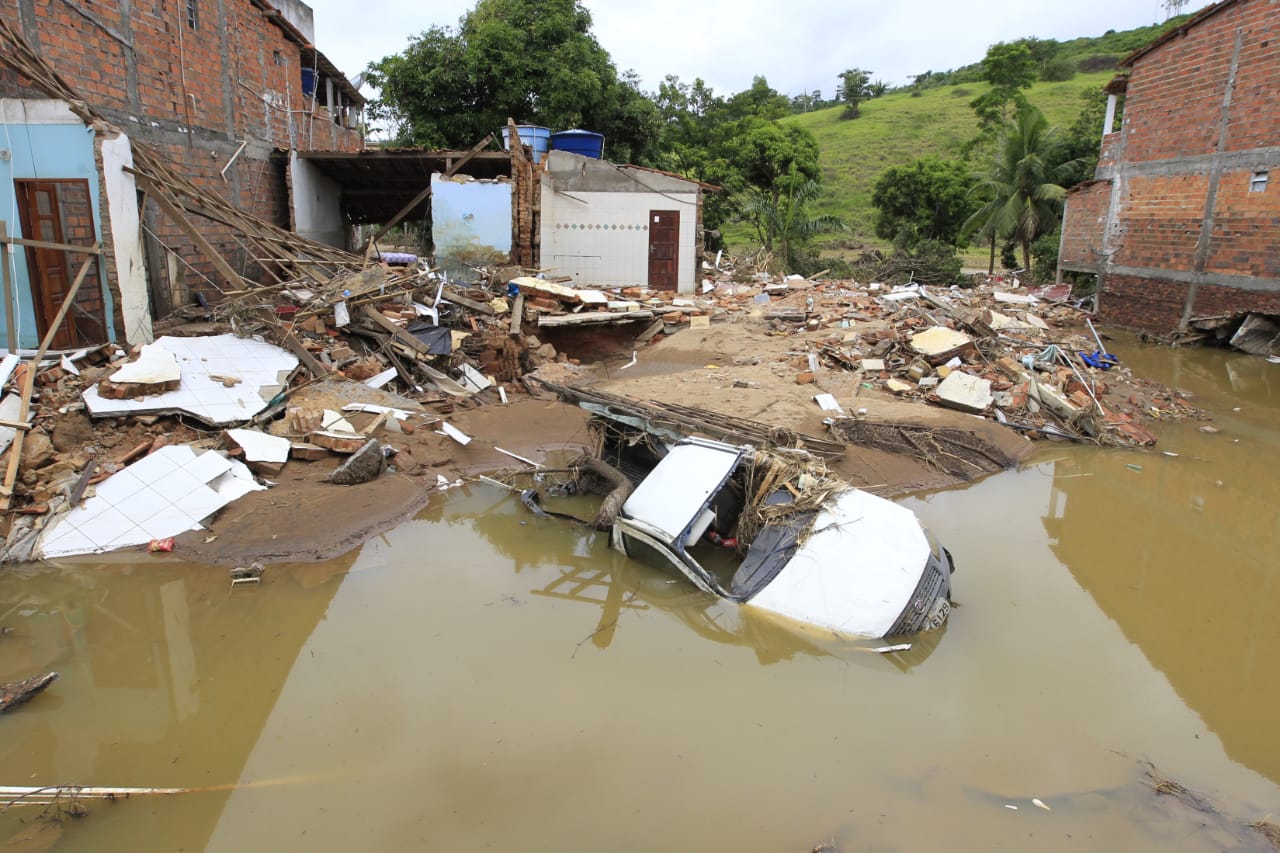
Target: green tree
[
  {"x": 533, "y": 60},
  {"x": 1082, "y": 139},
  {"x": 781, "y": 219},
  {"x": 1009, "y": 68},
  {"x": 1022, "y": 186},
  {"x": 855, "y": 85},
  {"x": 928, "y": 199}
]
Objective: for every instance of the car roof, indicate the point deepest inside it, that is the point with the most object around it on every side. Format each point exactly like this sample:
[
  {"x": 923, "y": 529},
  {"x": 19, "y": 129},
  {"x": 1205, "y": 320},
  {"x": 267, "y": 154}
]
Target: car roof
[{"x": 675, "y": 491}]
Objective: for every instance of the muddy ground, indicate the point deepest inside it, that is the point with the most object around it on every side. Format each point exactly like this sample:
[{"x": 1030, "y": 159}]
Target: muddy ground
[{"x": 729, "y": 368}]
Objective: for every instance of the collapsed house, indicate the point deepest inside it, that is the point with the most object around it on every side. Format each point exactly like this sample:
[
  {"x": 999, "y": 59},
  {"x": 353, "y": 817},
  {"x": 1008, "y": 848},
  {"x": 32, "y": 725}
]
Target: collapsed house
[
  {"x": 1179, "y": 222},
  {"x": 220, "y": 93}
]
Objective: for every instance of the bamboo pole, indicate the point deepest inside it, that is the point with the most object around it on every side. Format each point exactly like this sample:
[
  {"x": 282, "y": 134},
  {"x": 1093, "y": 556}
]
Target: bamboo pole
[{"x": 29, "y": 381}]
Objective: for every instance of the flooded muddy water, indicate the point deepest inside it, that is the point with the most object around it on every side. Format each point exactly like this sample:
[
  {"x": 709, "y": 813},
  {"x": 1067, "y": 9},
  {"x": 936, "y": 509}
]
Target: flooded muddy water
[{"x": 482, "y": 679}]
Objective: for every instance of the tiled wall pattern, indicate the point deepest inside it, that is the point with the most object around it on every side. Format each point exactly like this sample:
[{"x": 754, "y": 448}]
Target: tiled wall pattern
[{"x": 603, "y": 237}]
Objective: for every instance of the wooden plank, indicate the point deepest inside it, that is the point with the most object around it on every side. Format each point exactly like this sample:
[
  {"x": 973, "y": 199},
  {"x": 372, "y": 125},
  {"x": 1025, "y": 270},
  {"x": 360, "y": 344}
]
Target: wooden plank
[
  {"x": 42, "y": 244},
  {"x": 452, "y": 295},
  {"x": 29, "y": 381},
  {"x": 420, "y": 197},
  {"x": 517, "y": 313},
  {"x": 233, "y": 278},
  {"x": 8, "y": 289},
  {"x": 400, "y": 336},
  {"x": 314, "y": 367},
  {"x": 595, "y": 318},
  {"x": 647, "y": 334}
]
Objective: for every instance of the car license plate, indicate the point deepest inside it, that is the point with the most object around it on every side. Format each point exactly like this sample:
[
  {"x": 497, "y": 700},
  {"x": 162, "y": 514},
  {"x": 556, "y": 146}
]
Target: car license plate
[{"x": 938, "y": 614}]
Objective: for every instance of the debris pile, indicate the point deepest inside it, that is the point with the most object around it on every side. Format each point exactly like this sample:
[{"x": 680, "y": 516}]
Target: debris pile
[{"x": 1035, "y": 365}]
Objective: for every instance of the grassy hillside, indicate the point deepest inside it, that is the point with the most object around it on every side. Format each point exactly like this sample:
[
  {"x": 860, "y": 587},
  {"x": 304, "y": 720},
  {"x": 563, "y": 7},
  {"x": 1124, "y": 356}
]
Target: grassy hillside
[{"x": 898, "y": 128}]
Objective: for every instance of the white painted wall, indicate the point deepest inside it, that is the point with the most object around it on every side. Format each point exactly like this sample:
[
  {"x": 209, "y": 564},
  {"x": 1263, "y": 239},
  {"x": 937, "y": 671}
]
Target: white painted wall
[
  {"x": 316, "y": 203},
  {"x": 603, "y": 237},
  {"x": 126, "y": 238}
]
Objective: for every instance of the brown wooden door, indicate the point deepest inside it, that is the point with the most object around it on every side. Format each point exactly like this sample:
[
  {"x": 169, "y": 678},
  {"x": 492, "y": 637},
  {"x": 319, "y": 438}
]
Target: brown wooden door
[
  {"x": 664, "y": 249},
  {"x": 60, "y": 212}
]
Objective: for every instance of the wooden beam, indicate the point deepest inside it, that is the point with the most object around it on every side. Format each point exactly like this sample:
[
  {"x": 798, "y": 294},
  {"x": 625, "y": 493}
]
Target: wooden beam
[
  {"x": 452, "y": 295},
  {"x": 8, "y": 289},
  {"x": 399, "y": 335},
  {"x": 314, "y": 367},
  {"x": 420, "y": 197},
  {"x": 29, "y": 381},
  {"x": 517, "y": 313},
  {"x": 42, "y": 244},
  {"x": 234, "y": 279},
  {"x": 548, "y": 321}
]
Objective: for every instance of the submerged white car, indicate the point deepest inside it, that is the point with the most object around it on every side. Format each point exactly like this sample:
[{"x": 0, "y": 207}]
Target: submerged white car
[{"x": 853, "y": 563}]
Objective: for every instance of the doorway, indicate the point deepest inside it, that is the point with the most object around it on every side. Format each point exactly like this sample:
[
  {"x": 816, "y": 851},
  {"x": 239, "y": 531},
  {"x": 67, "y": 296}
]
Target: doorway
[
  {"x": 664, "y": 249},
  {"x": 61, "y": 211}
]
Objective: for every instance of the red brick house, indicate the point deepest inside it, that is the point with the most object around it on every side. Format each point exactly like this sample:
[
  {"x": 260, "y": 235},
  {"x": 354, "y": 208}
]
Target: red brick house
[
  {"x": 1182, "y": 218},
  {"x": 224, "y": 90}
]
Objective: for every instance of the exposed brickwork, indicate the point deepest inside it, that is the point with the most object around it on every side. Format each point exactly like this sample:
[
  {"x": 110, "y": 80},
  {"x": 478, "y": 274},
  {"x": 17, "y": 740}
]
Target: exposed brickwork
[
  {"x": 1184, "y": 149},
  {"x": 195, "y": 94},
  {"x": 1142, "y": 303},
  {"x": 1083, "y": 221},
  {"x": 1157, "y": 304}
]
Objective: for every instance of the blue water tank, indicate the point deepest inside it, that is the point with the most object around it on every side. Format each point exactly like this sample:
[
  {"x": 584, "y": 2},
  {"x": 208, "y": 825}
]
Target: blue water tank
[
  {"x": 588, "y": 143},
  {"x": 534, "y": 136}
]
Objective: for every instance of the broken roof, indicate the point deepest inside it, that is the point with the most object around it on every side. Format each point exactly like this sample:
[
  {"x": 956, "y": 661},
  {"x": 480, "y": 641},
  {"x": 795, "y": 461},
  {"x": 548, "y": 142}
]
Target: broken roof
[{"x": 377, "y": 183}]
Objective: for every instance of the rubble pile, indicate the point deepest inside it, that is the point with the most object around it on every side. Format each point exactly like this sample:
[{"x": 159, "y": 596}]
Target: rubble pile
[{"x": 1032, "y": 363}]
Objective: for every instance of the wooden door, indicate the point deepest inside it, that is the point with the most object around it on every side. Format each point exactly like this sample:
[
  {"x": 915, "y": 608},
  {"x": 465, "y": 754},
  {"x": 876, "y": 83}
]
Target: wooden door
[
  {"x": 61, "y": 212},
  {"x": 664, "y": 249}
]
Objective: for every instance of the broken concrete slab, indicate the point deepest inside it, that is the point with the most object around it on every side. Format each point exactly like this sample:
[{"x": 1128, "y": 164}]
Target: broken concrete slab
[
  {"x": 155, "y": 371},
  {"x": 938, "y": 343},
  {"x": 339, "y": 441},
  {"x": 897, "y": 386},
  {"x": 965, "y": 392},
  {"x": 164, "y": 494},
  {"x": 261, "y": 369},
  {"x": 364, "y": 465},
  {"x": 264, "y": 454}
]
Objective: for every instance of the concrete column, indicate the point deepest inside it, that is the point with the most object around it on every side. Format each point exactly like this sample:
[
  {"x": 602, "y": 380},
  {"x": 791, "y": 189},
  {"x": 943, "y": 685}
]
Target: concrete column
[{"x": 1108, "y": 123}]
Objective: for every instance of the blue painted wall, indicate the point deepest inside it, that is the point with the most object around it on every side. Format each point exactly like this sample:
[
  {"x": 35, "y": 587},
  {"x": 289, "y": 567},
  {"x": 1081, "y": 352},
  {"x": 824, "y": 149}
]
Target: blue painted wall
[{"x": 51, "y": 152}]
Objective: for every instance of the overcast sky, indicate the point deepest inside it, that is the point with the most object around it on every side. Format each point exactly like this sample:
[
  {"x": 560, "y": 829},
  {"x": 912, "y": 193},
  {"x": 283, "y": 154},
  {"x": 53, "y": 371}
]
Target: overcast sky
[{"x": 799, "y": 45}]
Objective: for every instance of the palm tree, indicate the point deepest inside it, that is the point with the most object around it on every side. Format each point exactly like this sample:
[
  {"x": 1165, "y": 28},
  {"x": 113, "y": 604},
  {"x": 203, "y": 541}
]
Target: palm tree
[
  {"x": 1024, "y": 196},
  {"x": 780, "y": 217}
]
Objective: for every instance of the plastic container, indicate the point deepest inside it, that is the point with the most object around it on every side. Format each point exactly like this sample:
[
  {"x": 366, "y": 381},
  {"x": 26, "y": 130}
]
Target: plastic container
[
  {"x": 588, "y": 143},
  {"x": 534, "y": 136}
]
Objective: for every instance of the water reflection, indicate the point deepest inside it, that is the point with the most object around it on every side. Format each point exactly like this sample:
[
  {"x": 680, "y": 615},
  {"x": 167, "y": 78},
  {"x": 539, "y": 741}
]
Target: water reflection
[
  {"x": 150, "y": 658},
  {"x": 1181, "y": 551}
]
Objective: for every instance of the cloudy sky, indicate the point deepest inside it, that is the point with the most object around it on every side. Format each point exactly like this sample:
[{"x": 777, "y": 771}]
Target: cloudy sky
[{"x": 799, "y": 45}]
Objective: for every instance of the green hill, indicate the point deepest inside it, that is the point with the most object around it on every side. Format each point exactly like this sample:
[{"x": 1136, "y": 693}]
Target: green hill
[{"x": 902, "y": 126}]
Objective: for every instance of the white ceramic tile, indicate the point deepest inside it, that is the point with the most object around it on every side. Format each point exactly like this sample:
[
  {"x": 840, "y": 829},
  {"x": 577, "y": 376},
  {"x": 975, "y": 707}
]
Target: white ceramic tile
[
  {"x": 130, "y": 537},
  {"x": 176, "y": 485},
  {"x": 143, "y": 504},
  {"x": 200, "y": 503},
  {"x": 64, "y": 540},
  {"x": 106, "y": 527},
  {"x": 208, "y": 466},
  {"x": 117, "y": 487},
  {"x": 169, "y": 522}
]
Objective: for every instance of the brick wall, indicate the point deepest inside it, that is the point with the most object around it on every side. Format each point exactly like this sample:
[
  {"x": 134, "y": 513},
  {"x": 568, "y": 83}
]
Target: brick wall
[
  {"x": 1142, "y": 303},
  {"x": 1082, "y": 226},
  {"x": 1157, "y": 304},
  {"x": 1173, "y": 169},
  {"x": 193, "y": 93},
  {"x": 1162, "y": 217},
  {"x": 1175, "y": 93}
]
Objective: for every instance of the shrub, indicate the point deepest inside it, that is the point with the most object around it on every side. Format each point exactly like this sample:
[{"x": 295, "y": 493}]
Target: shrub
[{"x": 1058, "y": 70}]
